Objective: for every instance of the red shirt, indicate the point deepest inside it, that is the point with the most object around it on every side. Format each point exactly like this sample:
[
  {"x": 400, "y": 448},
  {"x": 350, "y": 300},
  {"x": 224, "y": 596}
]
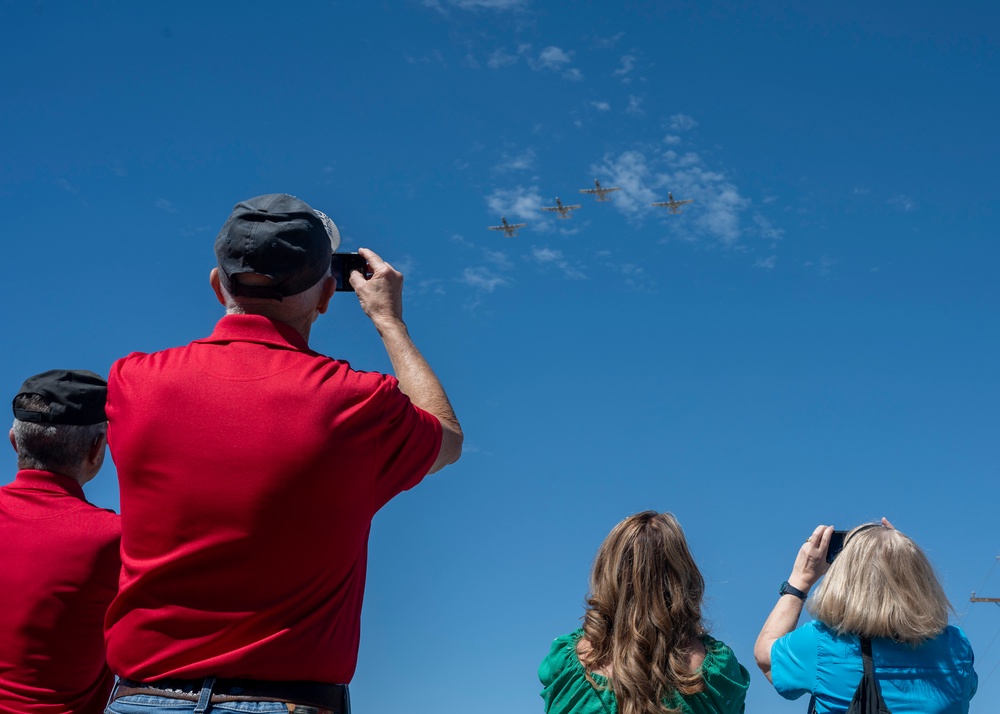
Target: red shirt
[
  {"x": 58, "y": 573},
  {"x": 250, "y": 468}
]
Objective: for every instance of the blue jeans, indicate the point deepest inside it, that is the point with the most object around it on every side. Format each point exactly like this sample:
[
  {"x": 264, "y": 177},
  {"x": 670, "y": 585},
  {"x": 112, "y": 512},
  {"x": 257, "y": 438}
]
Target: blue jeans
[
  {"x": 144, "y": 704},
  {"x": 147, "y": 704}
]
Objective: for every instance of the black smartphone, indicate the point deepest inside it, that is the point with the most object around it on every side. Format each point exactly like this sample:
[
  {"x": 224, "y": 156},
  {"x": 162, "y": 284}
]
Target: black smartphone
[
  {"x": 344, "y": 264},
  {"x": 836, "y": 545}
]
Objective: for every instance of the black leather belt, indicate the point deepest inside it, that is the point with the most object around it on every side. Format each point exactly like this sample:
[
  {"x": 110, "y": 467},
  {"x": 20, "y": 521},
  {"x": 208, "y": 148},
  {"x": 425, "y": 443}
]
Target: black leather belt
[{"x": 332, "y": 698}]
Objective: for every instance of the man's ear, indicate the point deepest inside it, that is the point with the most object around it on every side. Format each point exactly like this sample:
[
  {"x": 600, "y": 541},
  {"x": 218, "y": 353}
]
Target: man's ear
[
  {"x": 96, "y": 453},
  {"x": 329, "y": 286},
  {"x": 13, "y": 441},
  {"x": 216, "y": 283}
]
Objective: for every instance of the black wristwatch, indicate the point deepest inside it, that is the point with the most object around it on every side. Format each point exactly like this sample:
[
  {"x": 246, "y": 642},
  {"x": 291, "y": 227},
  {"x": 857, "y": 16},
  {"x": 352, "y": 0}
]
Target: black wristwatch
[{"x": 787, "y": 589}]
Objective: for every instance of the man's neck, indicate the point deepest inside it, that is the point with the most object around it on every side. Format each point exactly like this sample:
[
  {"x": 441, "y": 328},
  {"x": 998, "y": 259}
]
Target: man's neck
[{"x": 301, "y": 325}]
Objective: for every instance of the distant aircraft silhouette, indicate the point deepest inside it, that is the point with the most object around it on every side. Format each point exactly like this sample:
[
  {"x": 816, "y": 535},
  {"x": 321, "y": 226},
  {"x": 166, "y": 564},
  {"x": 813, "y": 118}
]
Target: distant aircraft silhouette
[
  {"x": 564, "y": 211},
  {"x": 601, "y": 193},
  {"x": 671, "y": 205},
  {"x": 509, "y": 229}
]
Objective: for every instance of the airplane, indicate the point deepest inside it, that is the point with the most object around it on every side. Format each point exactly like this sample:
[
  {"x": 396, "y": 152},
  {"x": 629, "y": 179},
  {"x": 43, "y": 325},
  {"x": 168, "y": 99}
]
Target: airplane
[
  {"x": 672, "y": 205},
  {"x": 602, "y": 193},
  {"x": 509, "y": 229},
  {"x": 564, "y": 211}
]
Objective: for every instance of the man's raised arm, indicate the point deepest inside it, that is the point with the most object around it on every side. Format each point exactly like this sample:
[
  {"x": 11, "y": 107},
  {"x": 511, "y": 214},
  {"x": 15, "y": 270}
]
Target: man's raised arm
[{"x": 381, "y": 298}]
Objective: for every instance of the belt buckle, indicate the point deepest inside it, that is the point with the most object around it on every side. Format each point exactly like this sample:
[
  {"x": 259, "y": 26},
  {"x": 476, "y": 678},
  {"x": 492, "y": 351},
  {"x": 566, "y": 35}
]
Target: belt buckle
[{"x": 304, "y": 709}]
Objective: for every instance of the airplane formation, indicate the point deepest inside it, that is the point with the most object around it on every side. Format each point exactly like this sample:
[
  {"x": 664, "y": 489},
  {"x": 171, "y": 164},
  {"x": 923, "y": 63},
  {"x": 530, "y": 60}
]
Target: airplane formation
[{"x": 601, "y": 193}]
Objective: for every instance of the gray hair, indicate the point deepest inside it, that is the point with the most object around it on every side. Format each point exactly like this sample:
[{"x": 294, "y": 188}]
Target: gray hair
[{"x": 52, "y": 447}]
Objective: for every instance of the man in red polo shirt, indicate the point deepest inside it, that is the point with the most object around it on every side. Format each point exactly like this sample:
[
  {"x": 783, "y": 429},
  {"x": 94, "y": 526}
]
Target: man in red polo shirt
[
  {"x": 59, "y": 560},
  {"x": 250, "y": 468}
]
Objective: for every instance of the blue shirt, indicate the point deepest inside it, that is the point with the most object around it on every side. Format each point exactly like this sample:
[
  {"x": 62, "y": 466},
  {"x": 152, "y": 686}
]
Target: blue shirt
[{"x": 935, "y": 677}]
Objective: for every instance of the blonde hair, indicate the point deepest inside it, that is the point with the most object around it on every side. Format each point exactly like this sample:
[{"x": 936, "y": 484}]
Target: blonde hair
[
  {"x": 644, "y": 613},
  {"x": 881, "y": 585}
]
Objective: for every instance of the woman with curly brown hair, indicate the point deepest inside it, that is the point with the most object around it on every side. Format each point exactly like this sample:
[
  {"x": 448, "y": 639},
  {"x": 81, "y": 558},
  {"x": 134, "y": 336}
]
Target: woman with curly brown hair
[{"x": 643, "y": 647}]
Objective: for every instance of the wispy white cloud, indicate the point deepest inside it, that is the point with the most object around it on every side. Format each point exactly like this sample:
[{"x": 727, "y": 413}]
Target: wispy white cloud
[
  {"x": 601, "y": 106},
  {"x": 523, "y": 203},
  {"x": 556, "y": 59},
  {"x": 164, "y": 205},
  {"x": 824, "y": 265},
  {"x": 634, "y": 106},
  {"x": 554, "y": 258},
  {"x": 488, "y": 4},
  {"x": 433, "y": 57},
  {"x": 487, "y": 271},
  {"x": 767, "y": 229},
  {"x": 553, "y": 58},
  {"x": 902, "y": 202},
  {"x": 635, "y": 277},
  {"x": 501, "y": 58},
  {"x": 431, "y": 286},
  {"x": 671, "y": 139},
  {"x": 498, "y": 259},
  {"x": 646, "y": 175},
  {"x": 549, "y": 59},
  {"x": 67, "y": 186},
  {"x": 767, "y": 263},
  {"x": 498, "y": 5},
  {"x": 723, "y": 204},
  {"x": 630, "y": 171},
  {"x": 523, "y": 161},
  {"x": 482, "y": 278},
  {"x": 625, "y": 67},
  {"x": 606, "y": 43},
  {"x": 681, "y": 122}
]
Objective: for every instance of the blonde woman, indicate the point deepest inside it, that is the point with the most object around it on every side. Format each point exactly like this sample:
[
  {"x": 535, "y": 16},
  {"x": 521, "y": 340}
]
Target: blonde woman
[
  {"x": 880, "y": 587},
  {"x": 643, "y": 647}
]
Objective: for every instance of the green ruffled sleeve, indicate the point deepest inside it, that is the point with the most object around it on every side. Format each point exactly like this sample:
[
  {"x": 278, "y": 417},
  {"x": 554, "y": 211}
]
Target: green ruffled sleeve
[
  {"x": 726, "y": 682},
  {"x": 565, "y": 688}
]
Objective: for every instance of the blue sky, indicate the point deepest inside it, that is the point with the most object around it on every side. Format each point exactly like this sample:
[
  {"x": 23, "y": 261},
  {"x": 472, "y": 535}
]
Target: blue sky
[{"x": 814, "y": 340}]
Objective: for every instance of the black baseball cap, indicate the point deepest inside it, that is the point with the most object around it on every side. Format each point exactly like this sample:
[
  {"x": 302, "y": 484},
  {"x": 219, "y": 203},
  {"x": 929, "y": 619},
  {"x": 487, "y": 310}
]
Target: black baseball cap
[
  {"x": 278, "y": 236},
  {"x": 74, "y": 397}
]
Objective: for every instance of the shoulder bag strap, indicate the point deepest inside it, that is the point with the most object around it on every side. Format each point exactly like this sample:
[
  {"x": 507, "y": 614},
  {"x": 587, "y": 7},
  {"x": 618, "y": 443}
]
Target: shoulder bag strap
[{"x": 875, "y": 702}]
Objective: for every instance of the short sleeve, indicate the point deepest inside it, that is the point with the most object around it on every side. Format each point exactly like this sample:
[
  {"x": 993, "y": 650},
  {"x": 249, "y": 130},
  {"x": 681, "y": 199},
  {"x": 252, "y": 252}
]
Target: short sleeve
[
  {"x": 965, "y": 654},
  {"x": 793, "y": 662},
  {"x": 565, "y": 689},
  {"x": 408, "y": 442}
]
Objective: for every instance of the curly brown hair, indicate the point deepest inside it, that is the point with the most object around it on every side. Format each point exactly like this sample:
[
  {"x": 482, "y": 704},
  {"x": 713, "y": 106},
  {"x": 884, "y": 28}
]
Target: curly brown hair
[{"x": 643, "y": 615}]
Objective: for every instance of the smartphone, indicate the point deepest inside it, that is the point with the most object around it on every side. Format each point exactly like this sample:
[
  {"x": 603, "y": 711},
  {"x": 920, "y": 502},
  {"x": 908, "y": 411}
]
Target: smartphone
[
  {"x": 344, "y": 264},
  {"x": 836, "y": 545}
]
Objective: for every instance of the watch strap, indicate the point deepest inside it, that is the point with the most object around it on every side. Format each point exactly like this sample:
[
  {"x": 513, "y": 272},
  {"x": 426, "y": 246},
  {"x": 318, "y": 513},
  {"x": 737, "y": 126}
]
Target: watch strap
[{"x": 787, "y": 589}]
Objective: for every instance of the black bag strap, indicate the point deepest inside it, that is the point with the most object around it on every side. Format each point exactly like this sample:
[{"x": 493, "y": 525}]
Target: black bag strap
[
  {"x": 866, "y": 658},
  {"x": 868, "y": 696}
]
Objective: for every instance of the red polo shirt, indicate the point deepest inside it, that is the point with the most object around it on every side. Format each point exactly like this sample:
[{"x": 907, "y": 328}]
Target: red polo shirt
[
  {"x": 250, "y": 468},
  {"x": 58, "y": 573}
]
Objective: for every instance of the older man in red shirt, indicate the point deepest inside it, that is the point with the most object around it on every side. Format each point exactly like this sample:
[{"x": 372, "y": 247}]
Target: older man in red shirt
[
  {"x": 250, "y": 469},
  {"x": 59, "y": 559}
]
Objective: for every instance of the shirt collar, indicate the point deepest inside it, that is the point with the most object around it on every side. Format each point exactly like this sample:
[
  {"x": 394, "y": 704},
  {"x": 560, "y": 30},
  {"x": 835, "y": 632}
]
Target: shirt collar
[
  {"x": 256, "y": 328},
  {"x": 49, "y": 481}
]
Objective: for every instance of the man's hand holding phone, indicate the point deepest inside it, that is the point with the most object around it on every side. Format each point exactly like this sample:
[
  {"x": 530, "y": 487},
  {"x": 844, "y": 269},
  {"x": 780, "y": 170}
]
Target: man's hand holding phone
[{"x": 381, "y": 295}]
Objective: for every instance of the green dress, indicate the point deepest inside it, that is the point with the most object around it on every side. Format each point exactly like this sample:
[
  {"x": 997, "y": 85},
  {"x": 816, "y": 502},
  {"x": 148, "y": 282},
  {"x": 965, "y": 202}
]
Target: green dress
[{"x": 567, "y": 691}]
